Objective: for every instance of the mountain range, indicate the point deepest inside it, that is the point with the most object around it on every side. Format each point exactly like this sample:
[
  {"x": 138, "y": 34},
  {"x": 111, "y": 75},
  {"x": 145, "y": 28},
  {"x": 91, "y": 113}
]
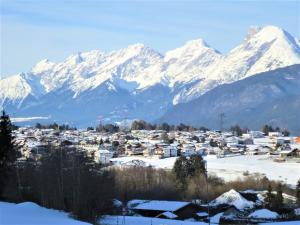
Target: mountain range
[
  {"x": 138, "y": 82},
  {"x": 271, "y": 97}
]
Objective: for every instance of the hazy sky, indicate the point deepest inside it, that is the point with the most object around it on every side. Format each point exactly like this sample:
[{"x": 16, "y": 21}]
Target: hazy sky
[{"x": 32, "y": 30}]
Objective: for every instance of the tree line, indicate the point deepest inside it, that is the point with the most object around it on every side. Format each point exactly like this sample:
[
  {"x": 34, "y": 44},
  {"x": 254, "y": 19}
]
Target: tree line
[
  {"x": 143, "y": 125},
  {"x": 55, "y": 126},
  {"x": 266, "y": 129}
]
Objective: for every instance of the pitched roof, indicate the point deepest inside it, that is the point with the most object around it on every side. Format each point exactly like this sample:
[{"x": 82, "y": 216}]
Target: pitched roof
[
  {"x": 161, "y": 205},
  {"x": 233, "y": 198},
  {"x": 169, "y": 215}
]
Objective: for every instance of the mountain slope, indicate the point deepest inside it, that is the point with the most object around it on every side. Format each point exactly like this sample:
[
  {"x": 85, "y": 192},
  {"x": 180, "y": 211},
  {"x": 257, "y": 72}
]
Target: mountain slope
[
  {"x": 265, "y": 49},
  {"x": 139, "y": 80},
  {"x": 268, "y": 98}
]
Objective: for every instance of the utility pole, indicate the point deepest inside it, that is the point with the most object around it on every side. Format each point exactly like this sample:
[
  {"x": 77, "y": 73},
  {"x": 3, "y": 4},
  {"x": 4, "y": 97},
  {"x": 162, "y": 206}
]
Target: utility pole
[
  {"x": 100, "y": 119},
  {"x": 125, "y": 120},
  {"x": 207, "y": 201},
  {"x": 221, "y": 118}
]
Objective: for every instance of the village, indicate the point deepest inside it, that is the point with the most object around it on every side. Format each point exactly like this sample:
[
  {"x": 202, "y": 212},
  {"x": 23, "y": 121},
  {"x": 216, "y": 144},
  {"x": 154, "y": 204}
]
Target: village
[
  {"x": 106, "y": 147},
  {"x": 160, "y": 149}
]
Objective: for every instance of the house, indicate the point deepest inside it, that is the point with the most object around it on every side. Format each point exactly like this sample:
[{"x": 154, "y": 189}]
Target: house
[
  {"x": 297, "y": 140},
  {"x": 274, "y": 134},
  {"x": 134, "y": 148},
  {"x": 257, "y": 134},
  {"x": 201, "y": 215},
  {"x": 232, "y": 198},
  {"x": 149, "y": 150},
  {"x": 167, "y": 215},
  {"x": 188, "y": 149},
  {"x": 264, "y": 214},
  {"x": 247, "y": 141},
  {"x": 231, "y": 212},
  {"x": 166, "y": 209},
  {"x": 103, "y": 156},
  {"x": 290, "y": 153}
]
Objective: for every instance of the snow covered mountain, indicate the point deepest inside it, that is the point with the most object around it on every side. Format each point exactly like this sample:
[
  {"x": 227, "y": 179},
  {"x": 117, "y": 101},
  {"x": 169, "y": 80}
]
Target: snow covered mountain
[
  {"x": 263, "y": 50},
  {"x": 139, "y": 80},
  {"x": 271, "y": 97}
]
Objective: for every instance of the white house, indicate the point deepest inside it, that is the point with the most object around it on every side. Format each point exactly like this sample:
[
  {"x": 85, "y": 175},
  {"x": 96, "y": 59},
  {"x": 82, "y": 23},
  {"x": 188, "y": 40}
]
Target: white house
[{"x": 103, "y": 156}]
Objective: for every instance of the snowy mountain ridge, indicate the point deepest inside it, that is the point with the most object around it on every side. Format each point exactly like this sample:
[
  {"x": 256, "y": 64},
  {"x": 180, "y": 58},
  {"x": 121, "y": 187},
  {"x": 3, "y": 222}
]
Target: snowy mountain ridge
[
  {"x": 144, "y": 75},
  {"x": 138, "y": 66}
]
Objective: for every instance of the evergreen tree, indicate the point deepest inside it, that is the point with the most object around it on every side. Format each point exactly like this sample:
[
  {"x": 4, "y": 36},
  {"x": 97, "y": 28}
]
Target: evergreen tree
[
  {"x": 278, "y": 201},
  {"x": 8, "y": 153},
  {"x": 164, "y": 136},
  {"x": 101, "y": 142},
  {"x": 269, "y": 198},
  {"x": 196, "y": 166},
  {"x": 266, "y": 129},
  {"x": 298, "y": 193},
  {"x": 185, "y": 168},
  {"x": 237, "y": 130},
  {"x": 165, "y": 127},
  {"x": 286, "y": 133},
  {"x": 180, "y": 171},
  {"x": 213, "y": 143}
]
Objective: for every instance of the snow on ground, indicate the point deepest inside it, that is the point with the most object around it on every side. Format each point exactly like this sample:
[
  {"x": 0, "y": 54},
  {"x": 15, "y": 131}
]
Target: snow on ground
[
  {"x": 28, "y": 213},
  {"x": 264, "y": 213},
  {"x": 216, "y": 218},
  {"x": 230, "y": 168},
  {"x": 138, "y": 220},
  {"x": 166, "y": 163},
  {"x": 282, "y": 223}
]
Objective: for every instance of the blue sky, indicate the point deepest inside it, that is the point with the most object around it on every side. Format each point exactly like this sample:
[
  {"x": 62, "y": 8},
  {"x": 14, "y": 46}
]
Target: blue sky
[{"x": 32, "y": 30}]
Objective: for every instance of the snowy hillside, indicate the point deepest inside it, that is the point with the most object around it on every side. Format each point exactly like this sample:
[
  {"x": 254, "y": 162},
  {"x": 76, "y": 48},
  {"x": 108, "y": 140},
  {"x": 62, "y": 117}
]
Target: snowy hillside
[
  {"x": 268, "y": 98},
  {"x": 139, "y": 80},
  {"x": 29, "y": 213},
  {"x": 265, "y": 49}
]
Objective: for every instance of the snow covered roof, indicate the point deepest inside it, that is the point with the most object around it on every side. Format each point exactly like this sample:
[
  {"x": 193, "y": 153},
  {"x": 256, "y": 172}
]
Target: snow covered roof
[
  {"x": 286, "y": 151},
  {"x": 232, "y": 198},
  {"x": 104, "y": 151},
  {"x": 117, "y": 203},
  {"x": 161, "y": 205},
  {"x": 295, "y": 146},
  {"x": 253, "y": 147},
  {"x": 202, "y": 214},
  {"x": 264, "y": 213},
  {"x": 169, "y": 215},
  {"x": 135, "y": 202}
]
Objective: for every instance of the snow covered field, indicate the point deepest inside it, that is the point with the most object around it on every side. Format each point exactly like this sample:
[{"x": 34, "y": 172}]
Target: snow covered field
[
  {"x": 135, "y": 220},
  {"x": 230, "y": 168},
  {"x": 29, "y": 213}
]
